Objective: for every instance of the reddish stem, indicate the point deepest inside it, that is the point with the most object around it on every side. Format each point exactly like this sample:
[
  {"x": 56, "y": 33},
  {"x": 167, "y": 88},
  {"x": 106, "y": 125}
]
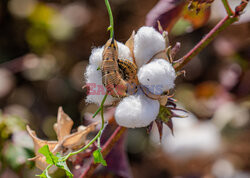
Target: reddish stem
[
  {"x": 224, "y": 23},
  {"x": 105, "y": 150},
  {"x": 204, "y": 41}
]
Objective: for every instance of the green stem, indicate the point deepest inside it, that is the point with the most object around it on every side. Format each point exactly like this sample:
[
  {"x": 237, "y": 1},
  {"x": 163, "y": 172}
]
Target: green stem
[
  {"x": 98, "y": 110},
  {"x": 111, "y": 27},
  {"x": 227, "y": 7},
  {"x": 95, "y": 138}
]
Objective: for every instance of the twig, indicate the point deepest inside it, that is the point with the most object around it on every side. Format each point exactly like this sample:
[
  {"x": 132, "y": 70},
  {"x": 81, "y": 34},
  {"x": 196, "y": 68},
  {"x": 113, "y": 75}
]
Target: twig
[
  {"x": 227, "y": 7},
  {"x": 105, "y": 150},
  {"x": 224, "y": 23},
  {"x": 111, "y": 27}
]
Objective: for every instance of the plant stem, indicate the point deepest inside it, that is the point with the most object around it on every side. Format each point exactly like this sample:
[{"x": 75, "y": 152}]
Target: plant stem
[
  {"x": 224, "y": 23},
  {"x": 205, "y": 41},
  {"x": 227, "y": 7},
  {"x": 111, "y": 27},
  {"x": 95, "y": 138},
  {"x": 106, "y": 149}
]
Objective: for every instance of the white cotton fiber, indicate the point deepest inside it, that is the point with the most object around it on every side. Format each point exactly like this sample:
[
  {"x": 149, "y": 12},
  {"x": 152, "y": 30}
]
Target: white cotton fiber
[
  {"x": 191, "y": 137},
  {"x": 147, "y": 43},
  {"x": 136, "y": 111},
  {"x": 157, "y": 76},
  {"x": 123, "y": 52},
  {"x": 97, "y": 92},
  {"x": 96, "y": 56}
]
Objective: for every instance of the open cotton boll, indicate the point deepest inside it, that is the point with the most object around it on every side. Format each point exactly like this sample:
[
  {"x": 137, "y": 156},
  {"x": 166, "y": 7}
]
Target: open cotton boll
[
  {"x": 97, "y": 89},
  {"x": 147, "y": 42},
  {"x": 136, "y": 111},
  {"x": 157, "y": 76},
  {"x": 191, "y": 138},
  {"x": 96, "y": 56}
]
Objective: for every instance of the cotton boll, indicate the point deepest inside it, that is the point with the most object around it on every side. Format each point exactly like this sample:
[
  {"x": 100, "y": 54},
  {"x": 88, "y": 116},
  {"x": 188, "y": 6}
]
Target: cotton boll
[
  {"x": 123, "y": 52},
  {"x": 136, "y": 111},
  {"x": 147, "y": 43},
  {"x": 96, "y": 56},
  {"x": 97, "y": 89},
  {"x": 191, "y": 138},
  {"x": 157, "y": 76}
]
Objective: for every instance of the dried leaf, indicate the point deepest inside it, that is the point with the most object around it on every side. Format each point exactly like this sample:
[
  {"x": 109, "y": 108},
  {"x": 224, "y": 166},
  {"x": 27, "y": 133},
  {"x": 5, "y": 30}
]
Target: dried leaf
[
  {"x": 159, "y": 126},
  {"x": 77, "y": 139},
  {"x": 65, "y": 141},
  {"x": 130, "y": 44},
  {"x": 64, "y": 124},
  {"x": 40, "y": 160},
  {"x": 169, "y": 123},
  {"x": 149, "y": 127},
  {"x": 160, "y": 55},
  {"x": 38, "y": 143}
]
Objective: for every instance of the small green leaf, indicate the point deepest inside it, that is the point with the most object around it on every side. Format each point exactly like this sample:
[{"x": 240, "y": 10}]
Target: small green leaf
[
  {"x": 98, "y": 158},
  {"x": 109, "y": 28},
  {"x": 63, "y": 165},
  {"x": 98, "y": 68},
  {"x": 50, "y": 158}
]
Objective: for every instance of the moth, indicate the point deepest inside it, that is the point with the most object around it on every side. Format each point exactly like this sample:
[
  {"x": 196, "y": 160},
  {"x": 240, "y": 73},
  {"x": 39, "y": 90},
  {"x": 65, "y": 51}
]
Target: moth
[{"x": 118, "y": 75}]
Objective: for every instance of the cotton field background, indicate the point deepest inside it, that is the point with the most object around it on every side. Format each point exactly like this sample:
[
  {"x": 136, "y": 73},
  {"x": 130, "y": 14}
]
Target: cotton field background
[{"x": 45, "y": 49}]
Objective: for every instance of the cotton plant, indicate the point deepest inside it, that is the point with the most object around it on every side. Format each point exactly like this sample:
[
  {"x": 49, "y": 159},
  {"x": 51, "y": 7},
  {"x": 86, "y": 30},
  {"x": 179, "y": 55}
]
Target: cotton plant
[{"x": 150, "y": 51}]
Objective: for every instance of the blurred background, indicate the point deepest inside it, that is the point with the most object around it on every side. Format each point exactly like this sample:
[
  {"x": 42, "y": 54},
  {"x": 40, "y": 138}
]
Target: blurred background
[{"x": 44, "y": 50}]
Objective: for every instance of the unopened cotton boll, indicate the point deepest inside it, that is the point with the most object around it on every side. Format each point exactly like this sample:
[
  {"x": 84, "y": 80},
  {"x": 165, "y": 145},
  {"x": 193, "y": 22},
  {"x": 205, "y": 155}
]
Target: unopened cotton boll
[
  {"x": 157, "y": 76},
  {"x": 97, "y": 89},
  {"x": 136, "y": 111},
  {"x": 147, "y": 42}
]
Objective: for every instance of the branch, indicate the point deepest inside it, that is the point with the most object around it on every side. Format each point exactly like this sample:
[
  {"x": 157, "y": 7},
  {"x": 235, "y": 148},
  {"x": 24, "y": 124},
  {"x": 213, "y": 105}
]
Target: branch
[
  {"x": 227, "y": 7},
  {"x": 105, "y": 150},
  {"x": 224, "y": 23}
]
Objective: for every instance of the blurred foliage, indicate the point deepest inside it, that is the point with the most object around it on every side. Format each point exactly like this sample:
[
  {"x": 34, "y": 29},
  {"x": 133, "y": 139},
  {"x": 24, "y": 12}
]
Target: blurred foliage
[{"x": 15, "y": 145}]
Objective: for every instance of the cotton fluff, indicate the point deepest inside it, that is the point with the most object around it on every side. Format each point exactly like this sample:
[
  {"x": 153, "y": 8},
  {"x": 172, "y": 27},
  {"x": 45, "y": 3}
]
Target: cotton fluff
[
  {"x": 123, "y": 52},
  {"x": 147, "y": 42},
  {"x": 96, "y": 56},
  {"x": 191, "y": 138},
  {"x": 136, "y": 111},
  {"x": 94, "y": 76},
  {"x": 157, "y": 76}
]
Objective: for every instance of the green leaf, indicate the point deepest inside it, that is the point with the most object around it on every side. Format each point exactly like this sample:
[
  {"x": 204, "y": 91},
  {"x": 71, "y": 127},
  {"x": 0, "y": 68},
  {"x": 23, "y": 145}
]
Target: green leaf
[
  {"x": 98, "y": 158},
  {"x": 63, "y": 165},
  {"x": 50, "y": 158},
  {"x": 109, "y": 28}
]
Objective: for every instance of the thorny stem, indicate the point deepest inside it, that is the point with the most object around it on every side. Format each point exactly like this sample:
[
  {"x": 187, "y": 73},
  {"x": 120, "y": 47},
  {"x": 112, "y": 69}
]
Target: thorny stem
[
  {"x": 111, "y": 27},
  {"x": 227, "y": 7},
  {"x": 106, "y": 149},
  {"x": 224, "y": 23}
]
